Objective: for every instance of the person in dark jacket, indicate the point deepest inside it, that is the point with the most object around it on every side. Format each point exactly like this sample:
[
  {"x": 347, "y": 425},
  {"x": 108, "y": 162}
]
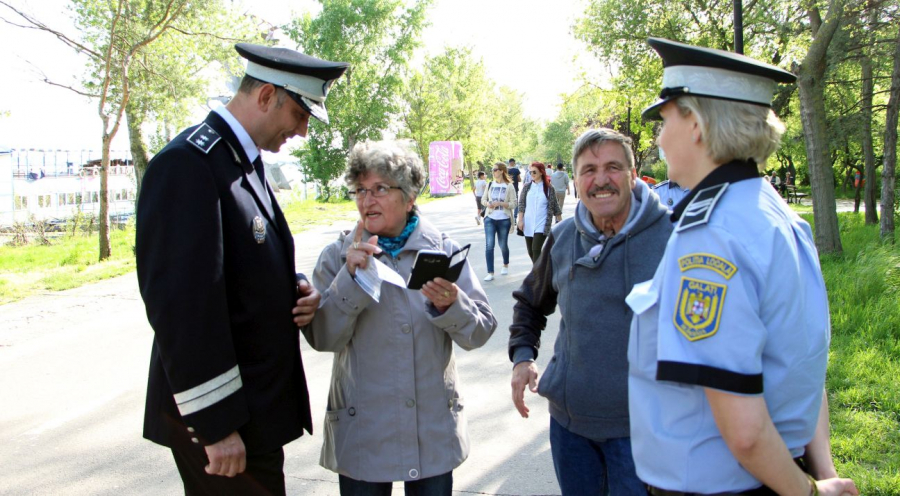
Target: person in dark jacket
[
  {"x": 588, "y": 265},
  {"x": 215, "y": 264}
]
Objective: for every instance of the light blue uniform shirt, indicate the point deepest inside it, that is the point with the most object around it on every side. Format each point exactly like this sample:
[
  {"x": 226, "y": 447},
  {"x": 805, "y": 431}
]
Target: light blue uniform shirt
[
  {"x": 738, "y": 304},
  {"x": 670, "y": 193}
]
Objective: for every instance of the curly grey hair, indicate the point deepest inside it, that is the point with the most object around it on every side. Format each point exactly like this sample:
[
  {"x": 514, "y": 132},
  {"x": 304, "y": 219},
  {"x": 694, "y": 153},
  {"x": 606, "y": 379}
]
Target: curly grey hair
[{"x": 395, "y": 161}]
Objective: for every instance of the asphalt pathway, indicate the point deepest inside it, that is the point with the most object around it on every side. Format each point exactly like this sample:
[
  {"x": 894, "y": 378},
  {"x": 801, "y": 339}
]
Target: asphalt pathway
[{"x": 73, "y": 372}]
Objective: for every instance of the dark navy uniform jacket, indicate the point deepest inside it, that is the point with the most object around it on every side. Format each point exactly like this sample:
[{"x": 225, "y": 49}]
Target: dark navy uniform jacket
[{"x": 215, "y": 264}]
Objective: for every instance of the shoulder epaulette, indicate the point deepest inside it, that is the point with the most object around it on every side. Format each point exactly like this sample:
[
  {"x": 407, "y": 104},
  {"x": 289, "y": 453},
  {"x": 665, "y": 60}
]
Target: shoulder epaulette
[
  {"x": 204, "y": 138},
  {"x": 698, "y": 211},
  {"x": 659, "y": 185}
]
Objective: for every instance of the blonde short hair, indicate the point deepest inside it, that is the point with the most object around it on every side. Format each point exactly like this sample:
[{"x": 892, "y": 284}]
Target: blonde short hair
[{"x": 735, "y": 130}]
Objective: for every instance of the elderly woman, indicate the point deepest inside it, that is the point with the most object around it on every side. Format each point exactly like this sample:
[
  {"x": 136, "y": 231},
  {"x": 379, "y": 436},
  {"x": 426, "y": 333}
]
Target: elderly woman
[
  {"x": 729, "y": 341},
  {"x": 537, "y": 207},
  {"x": 395, "y": 412}
]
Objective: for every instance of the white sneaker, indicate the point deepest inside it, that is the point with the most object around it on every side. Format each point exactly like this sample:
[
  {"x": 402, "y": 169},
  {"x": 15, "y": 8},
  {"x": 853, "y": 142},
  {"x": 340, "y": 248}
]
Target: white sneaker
[
  {"x": 504, "y": 271},
  {"x": 489, "y": 277},
  {"x": 478, "y": 219}
]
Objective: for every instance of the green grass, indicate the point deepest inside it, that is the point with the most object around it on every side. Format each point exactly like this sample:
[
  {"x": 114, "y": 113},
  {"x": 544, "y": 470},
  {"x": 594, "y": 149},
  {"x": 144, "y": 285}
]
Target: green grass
[
  {"x": 71, "y": 261},
  {"x": 864, "y": 365},
  {"x": 68, "y": 262}
]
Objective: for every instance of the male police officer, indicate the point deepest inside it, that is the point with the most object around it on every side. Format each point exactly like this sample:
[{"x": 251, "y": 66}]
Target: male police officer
[
  {"x": 215, "y": 263},
  {"x": 670, "y": 193}
]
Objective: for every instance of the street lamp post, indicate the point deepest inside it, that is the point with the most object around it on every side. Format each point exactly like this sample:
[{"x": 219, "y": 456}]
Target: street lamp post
[{"x": 738, "y": 27}]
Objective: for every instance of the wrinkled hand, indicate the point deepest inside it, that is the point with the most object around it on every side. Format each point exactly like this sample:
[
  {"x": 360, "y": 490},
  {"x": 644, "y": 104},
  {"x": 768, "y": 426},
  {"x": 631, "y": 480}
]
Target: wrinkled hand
[
  {"x": 837, "y": 487},
  {"x": 227, "y": 457},
  {"x": 307, "y": 304},
  {"x": 524, "y": 373},
  {"x": 441, "y": 293},
  {"x": 358, "y": 253}
]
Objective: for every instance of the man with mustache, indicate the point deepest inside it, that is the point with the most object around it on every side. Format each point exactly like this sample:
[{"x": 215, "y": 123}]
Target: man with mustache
[{"x": 589, "y": 264}]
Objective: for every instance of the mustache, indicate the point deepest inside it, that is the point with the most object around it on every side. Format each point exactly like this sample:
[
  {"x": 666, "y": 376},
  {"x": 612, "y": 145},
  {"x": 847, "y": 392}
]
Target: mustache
[{"x": 606, "y": 187}]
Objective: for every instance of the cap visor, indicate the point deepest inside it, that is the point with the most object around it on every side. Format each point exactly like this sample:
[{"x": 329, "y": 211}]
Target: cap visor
[
  {"x": 651, "y": 113},
  {"x": 314, "y": 108}
]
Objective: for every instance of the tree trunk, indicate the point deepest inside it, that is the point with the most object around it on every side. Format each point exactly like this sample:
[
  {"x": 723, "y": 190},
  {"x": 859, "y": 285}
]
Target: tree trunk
[
  {"x": 868, "y": 148},
  {"x": 103, "y": 220},
  {"x": 811, "y": 81},
  {"x": 138, "y": 150},
  {"x": 890, "y": 150}
]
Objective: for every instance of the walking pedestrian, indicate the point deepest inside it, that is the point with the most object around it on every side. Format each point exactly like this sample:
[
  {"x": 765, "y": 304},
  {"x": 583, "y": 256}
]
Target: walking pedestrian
[
  {"x": 537, "y": 208},
  {"x": 499, "y": 198},
  {"x": 560, "y": 182},
  {"x": 480, "y": 186}
]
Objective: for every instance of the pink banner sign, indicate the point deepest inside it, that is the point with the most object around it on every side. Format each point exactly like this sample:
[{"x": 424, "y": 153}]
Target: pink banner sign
[{"x": 445, "y": 161}]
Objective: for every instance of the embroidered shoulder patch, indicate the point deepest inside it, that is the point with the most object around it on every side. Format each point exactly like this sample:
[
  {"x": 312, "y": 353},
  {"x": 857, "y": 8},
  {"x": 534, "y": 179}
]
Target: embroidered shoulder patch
[
  {"x": 204, "y": 138},
  {"x": 698, "y": 311},
  {"x": 707, "y": 261},
  {"x": 698, "y": 211}
]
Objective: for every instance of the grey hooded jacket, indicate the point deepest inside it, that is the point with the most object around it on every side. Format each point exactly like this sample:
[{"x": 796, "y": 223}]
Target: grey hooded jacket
[{"x": 586, "y": 381}]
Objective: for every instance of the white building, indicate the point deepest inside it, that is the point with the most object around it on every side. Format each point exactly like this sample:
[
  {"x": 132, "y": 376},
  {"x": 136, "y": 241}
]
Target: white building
[{"x": 56, "y": 184}]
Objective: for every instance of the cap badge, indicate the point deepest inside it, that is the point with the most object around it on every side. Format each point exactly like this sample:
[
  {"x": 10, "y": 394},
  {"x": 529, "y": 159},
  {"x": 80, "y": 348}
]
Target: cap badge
[{"x": 259, "y": 230}]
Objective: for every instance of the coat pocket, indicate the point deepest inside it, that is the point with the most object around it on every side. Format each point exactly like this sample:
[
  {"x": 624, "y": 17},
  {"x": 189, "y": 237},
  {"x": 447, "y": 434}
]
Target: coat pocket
[
  {"x": 552, "y": 383},
  {"x": 338, "y": 450}
]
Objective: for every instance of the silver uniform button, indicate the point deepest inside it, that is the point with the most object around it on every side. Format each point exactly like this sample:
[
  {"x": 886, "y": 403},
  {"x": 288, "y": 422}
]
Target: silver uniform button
[
  {"x": 410, "y": 403},
  {"x": 405, "y": 328},
  {"x": 413, "y": 473},
  {"x": 195, "y": 440},
  {"x": 190, "y": 429}
]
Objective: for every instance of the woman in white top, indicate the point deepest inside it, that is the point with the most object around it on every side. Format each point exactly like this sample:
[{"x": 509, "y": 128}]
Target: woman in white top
[
  {"x": 499, "y": 198},
  {"x": 537, "y": 206}
]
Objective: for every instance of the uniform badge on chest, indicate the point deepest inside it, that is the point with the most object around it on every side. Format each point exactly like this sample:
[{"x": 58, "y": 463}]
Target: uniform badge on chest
[{"x": 259, "y": 230}]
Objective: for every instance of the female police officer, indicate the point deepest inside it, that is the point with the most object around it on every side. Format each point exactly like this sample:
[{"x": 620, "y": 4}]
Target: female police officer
[{"x": 729, "y": 342}]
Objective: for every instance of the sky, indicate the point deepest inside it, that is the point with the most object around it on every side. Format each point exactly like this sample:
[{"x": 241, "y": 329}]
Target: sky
[{"x": 525, "y": 44}]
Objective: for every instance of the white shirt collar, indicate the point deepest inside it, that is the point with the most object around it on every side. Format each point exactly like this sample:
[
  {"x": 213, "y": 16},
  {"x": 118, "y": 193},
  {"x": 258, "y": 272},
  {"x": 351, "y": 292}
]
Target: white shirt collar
[{"x": 243, "y": 137}]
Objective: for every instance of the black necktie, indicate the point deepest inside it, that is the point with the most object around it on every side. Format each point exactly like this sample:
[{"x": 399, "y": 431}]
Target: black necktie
[
  {"x": 260, "y": 170},
  {"x": 261, "y": 173}
]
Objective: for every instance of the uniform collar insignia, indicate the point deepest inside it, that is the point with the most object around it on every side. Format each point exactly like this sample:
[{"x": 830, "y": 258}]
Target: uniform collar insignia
[
  {"x": 732, "y": 172},
  {"x": 204, "y": 138}
]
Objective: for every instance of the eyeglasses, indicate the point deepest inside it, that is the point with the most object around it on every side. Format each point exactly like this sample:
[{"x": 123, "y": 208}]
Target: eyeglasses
[
  {"x": 495, "y": 170},
  {"x": 378, "y": 191},
  {"x": 535, "y": 173}
]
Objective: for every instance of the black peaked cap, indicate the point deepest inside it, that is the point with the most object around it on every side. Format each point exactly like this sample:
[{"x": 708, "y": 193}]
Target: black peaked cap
[{"x": 288, "y": 60}]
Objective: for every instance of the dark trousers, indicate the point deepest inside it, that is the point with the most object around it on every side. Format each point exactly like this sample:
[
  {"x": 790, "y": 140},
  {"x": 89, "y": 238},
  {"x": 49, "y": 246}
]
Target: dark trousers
[
  {"x": 585, "y": 467},
  {"x": 439, "y": 485},
  {"x": 534, "y": 245},
  {"x": 264, "y": 474}
]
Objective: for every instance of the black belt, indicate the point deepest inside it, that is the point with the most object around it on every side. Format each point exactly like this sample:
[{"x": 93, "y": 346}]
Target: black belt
[{"x": 759, "y": 491}]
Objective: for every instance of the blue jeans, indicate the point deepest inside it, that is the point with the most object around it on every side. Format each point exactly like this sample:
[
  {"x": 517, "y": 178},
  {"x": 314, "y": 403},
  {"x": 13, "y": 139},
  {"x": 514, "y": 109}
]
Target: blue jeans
[
  {"x": 587, "y": 467},
  {"x": 501, "y": 228},
  {"x": 439, "y": 485}
]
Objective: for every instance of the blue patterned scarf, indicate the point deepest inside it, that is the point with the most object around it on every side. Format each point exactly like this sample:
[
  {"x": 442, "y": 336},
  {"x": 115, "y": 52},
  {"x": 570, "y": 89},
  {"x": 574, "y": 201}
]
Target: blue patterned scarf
[{"x": 393, "y": 245}]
